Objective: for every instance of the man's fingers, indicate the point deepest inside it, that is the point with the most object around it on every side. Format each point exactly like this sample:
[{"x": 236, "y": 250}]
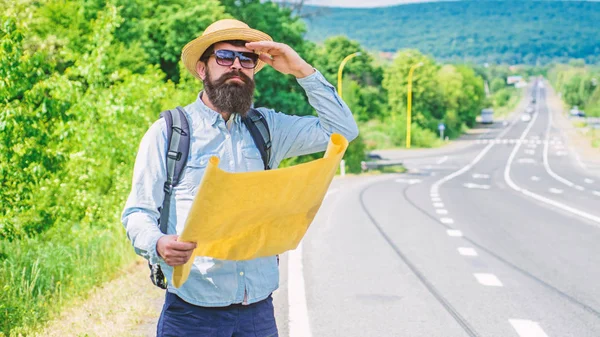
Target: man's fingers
[
  {"x": 182, "y": 246},
  {"x": 176, "y": 257},
  {"x": 263, "y": 46},
  {"x": 266, "y": 59}
]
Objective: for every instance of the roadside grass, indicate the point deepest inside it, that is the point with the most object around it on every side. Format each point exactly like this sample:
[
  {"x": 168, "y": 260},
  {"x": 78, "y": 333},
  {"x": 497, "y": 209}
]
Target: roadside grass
[
  {"x": 390, "y": 134},
  {"x": 595, "y": 135},
  {"x": 501, "y": 112},
  {"x": 128, "y": 306},
  {"x": 42, "y": 275}
]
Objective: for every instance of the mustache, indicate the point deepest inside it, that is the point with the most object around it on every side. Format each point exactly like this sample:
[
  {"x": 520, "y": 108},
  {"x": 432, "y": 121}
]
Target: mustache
[{"x": 232, "y": 74}]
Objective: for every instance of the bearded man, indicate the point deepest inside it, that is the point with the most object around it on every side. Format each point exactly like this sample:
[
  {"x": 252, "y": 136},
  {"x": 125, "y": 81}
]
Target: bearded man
[{"x": 222, "y": 297}]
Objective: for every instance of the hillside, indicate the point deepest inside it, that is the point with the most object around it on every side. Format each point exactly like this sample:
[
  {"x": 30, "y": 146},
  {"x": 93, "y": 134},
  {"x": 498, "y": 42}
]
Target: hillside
[{"x": 480, "y": 31}]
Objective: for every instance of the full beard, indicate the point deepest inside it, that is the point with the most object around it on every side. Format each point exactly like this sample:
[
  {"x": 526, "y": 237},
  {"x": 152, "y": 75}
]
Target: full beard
[{"x": 231, "y": 97}]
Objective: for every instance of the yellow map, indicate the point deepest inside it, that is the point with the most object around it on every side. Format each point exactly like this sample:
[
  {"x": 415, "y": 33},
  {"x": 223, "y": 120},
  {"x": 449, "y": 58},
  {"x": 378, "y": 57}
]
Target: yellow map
[{"x": 242, "y": 216}]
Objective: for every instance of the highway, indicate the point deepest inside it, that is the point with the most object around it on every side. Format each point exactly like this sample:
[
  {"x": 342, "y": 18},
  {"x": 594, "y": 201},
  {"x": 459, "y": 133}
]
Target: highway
[{"x": 497, "y": 237}]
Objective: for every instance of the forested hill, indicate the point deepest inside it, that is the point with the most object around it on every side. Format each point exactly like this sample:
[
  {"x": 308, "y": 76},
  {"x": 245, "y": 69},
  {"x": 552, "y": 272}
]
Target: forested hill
[{"x": 480, "y": 31}]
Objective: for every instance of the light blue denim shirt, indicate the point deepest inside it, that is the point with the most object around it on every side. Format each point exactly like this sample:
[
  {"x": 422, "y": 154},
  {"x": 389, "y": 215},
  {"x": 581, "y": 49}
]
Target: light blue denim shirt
[{"x": 214, "y": 282}]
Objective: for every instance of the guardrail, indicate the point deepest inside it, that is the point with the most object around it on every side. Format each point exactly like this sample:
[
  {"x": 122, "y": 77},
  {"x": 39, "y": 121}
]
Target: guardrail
[
  {"x": 377, "y": 164},
  {"x": 588, "y": 120},
  {"x": 592, "y": 122}
]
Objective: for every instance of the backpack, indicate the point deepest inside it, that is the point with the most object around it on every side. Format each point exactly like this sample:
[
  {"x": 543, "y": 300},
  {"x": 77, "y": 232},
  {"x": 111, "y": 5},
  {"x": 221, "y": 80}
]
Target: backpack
[{"x": 178, "y": 141}]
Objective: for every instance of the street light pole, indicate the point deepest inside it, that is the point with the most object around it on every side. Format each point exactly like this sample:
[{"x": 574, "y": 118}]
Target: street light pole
[
  {"x": 341, "y": 68},
  {"x": 409, "y": 103}
]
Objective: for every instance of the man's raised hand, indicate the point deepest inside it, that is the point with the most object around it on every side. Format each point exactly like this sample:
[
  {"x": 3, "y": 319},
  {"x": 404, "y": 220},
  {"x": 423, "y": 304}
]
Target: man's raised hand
[{"x": 281, "y": 57}]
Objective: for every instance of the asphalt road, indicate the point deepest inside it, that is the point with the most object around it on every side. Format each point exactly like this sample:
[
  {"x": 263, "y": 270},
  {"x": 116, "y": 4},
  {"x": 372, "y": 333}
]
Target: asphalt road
[{"x": 497, "y": 237}]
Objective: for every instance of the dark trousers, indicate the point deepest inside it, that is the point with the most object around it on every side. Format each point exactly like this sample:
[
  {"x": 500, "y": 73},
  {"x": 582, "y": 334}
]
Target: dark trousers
[{"x": 181, "y": 319}]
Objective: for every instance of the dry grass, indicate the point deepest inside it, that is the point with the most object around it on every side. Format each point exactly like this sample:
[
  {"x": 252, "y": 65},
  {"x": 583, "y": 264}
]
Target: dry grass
[{"x": 126, "y": 307}]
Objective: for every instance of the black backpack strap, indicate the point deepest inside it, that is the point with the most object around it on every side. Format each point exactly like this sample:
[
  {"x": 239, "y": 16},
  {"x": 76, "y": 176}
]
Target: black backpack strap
[
  {"x": 259, "y": 130},
  {"x": 178, "y": 137}
]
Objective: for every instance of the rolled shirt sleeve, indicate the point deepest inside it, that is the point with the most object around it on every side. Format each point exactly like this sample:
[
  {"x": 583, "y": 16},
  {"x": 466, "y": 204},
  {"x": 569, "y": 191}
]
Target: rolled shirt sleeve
[{"x": 295, "y": 135}]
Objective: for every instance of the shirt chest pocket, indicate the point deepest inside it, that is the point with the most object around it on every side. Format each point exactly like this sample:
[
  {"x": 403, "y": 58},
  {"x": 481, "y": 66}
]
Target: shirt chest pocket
[
  {"x": 194, "y": 171},
  {"x": 252, "y": 159}
]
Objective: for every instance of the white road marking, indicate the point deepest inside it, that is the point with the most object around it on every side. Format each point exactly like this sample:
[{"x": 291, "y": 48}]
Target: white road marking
[
  {"x": 588, "y": 181},
  {"x": 538, "y": 197},
  {"x": 526, "y": 160},
  {"x": 438, "y": 205},
  {"x": 535, "y": 178},
  {"x": 480, "y": 176},
  {"x": 504, "y": 141},
  {"x": 578, "y": 159},
  {"x": 435, "y": 187},
  {"x": 466, "y": 251},
  {"x": 330, "y": 193},
  {"x": 408, "y": 181},
  {"x": 298, "y": 310},
  {"x": 530, "y": 152},
  {"x": 555, "y": 190},
  {"x": 454, "y": 233},
  {"x": 441, "y": 211},
  {"x": 434, "y": 195},
  {"x": 532, "y": 146},
  {"x": 527, "y": 328},
  {"x": 441, "y": 160},
  {"x": 436, "y": 199},
  {"x": 489, "y": 280},
  {"x": 471, "y": 185},
  {"x": 561, "y": 153},
  {"x": 596, "y": 193},
  {"x": 447, "y": 221}
]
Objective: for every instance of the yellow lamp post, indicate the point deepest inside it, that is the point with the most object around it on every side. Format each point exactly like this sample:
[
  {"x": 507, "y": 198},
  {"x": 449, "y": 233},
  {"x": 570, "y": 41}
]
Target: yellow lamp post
[
  {"x": 341, "y": 68},
  {"x": 409, "y": 103}
]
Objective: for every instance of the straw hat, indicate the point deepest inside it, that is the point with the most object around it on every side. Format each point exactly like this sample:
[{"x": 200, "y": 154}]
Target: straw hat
[{"x": 222, "y": 30}]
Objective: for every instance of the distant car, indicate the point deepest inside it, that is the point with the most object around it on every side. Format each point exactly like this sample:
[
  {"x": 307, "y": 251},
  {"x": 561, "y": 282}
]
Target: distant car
[
  {"x": 526, "y": 117},
  {"x": 487, "y": 116},
  {"x": 575, "y": 112}
]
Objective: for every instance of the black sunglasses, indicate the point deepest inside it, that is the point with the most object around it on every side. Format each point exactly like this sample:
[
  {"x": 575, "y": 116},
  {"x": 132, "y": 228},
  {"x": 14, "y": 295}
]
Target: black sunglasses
[{"x": 226, "y": 58}]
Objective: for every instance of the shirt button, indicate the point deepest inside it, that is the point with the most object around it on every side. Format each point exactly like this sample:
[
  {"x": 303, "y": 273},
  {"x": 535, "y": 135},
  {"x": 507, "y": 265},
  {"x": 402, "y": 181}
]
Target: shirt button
[{"x": 241, "y": 273}]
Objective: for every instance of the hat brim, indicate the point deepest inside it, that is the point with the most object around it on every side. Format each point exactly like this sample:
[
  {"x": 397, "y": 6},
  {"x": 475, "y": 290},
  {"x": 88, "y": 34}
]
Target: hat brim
[{"x": 194, "y": 49}]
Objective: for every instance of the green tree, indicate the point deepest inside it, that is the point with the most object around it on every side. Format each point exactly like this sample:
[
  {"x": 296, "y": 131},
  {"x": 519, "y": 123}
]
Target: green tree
[
  {"x": 274, "y": 90},
  {"x": 427, "y": 102}
]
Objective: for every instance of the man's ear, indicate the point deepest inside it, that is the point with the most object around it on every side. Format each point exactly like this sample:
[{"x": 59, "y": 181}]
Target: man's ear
[{"x": 201, "y": 69}]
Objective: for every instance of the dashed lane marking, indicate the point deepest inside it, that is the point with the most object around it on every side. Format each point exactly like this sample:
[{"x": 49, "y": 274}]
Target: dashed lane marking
[
  {"x": 555, "y": 190},
  {"x": 527, "y": 328},
  {"x": 454, "y": 233},
  {"x": 489, "y": 280},
  {"x": 467, "y": 251}
]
